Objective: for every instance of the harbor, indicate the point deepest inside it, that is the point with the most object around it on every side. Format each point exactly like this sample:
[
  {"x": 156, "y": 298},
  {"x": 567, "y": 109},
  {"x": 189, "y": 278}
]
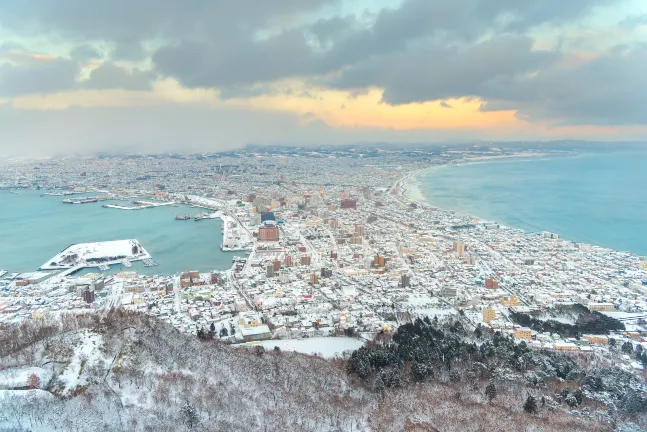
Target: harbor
[{"x": 34, "y": 228}]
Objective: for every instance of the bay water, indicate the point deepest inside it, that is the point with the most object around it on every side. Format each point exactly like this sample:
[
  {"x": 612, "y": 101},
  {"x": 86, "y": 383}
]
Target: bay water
[
  {"x": 33, "y": 229},
  {"x": 599, "y": 199}
]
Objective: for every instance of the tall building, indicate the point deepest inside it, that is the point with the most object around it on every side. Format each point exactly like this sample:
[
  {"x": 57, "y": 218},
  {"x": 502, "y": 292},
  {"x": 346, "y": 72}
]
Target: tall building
[
  {"x": 88, "y": 296},
  {"x": 314, "y": 279},
  {"x": 491, "y": 283},
  {"x": 359, "y": 230},
  {"x": 268, "y": 233},
  {"x": 405, "y": 281},
  {"x": 305, "y": 260},
  {"x": 288, "y": 261},
  {"x": 459, "y": 248},
  {"x": 489, "y": 315},
  {"x": 277, "y": 265},
  {"x": 269, "y": 270},
  {"x": 284, "y": 276}
]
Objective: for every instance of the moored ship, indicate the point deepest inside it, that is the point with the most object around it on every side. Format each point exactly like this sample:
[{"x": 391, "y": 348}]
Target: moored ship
[{"x": 182, "y": 217}]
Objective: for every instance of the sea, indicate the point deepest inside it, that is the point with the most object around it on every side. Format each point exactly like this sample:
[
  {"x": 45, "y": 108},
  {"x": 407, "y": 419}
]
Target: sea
[
  {"x": 34, "y": 228},
  {"x": 594, "y": 198}
]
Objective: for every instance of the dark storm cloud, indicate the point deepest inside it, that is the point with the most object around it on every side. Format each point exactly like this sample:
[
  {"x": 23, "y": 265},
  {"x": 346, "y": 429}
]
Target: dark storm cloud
[
  {"x": 609, "y": 90},
  {"x": 42, "y": 77},
  {"x": 58, "y": 75},
  {"x": 342, "y": 42},
  {"x": 435, "y": 73},
  {"x": 422, "y": 50}
]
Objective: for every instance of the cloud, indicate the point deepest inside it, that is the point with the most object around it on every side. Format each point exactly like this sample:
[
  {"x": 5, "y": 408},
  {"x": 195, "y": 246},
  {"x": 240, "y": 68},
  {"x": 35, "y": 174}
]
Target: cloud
[
  {"x": 437, "y": 72},
  {"x": 608, "y": 90},
  {"x": 44, "y": 77},
  {"x": 84, "y": 53},
  {"x": 416, "y": 51},
  {"x": 109, "y": 76},
  {"x": 60, "y": 75}
]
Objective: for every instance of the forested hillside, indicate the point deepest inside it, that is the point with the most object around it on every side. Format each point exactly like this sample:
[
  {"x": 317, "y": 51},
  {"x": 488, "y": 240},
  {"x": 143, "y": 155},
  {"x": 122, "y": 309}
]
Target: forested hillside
[{"x": 125, "y": 371}]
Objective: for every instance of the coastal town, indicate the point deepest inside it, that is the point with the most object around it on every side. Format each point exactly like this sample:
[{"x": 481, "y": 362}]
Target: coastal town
[{"x": 329, "y": 242}]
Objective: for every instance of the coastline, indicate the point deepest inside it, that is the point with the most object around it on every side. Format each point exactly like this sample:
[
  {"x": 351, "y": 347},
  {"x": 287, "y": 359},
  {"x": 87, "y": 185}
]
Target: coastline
[{"x": 410, "y": 191}]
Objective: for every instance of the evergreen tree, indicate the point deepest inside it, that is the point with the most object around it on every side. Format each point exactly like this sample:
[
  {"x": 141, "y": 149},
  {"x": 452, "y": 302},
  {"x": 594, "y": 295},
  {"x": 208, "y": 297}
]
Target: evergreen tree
[
  {"x": 627, "y": 347},
  {"x": 224, "y": 332},
  {"x": 189, "y": 416},
  {"x": 530, "y": 406},
  {"x": 478, "y": 331},
  {"x": 490, "y": 391},
  {"x": 212, "y": 328},
  {"x": 571, "y": 400}
]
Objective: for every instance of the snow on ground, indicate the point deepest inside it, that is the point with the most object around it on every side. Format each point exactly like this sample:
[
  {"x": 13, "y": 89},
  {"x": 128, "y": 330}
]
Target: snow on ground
[
  {"x": 86, "y": 251},
  {"x": 432, "y": 312},
  {"x": 421, "y": 300},
  {"x": 6, "y": 395},
  {"x": 85, "y": 354},
  {"x": 18, "y": 377},
  {"x": 327, "y": 347}
]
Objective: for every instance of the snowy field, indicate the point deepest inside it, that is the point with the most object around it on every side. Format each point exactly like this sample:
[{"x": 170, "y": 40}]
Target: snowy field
[
  {"x": 19, "y": 377},
  {"x": 90, "y": 251},
  {"x": 327, "y": 347}
]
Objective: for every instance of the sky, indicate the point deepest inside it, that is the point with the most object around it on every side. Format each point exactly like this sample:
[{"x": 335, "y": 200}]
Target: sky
[{"x": 80, "y": 76}]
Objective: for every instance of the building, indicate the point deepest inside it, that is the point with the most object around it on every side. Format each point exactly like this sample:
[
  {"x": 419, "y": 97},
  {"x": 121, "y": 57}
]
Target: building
[
  {"x": 348, "y": 203},
  {"x": 326, "y": 273},
  {"x": 305, "y": 260},
  {"x": 88, "y": 296},
  {"x": 276, "y": 264},
  {"x": 314, "y": 279},
  {"x": 550, "y": 235},
  {"x": 492, "y": 283},
  {"x": 470, "y": 260},
  {"x": 405, "y": 281},
  {"x": 268, "y": 233},
  {"x": 459, "y": 248},
  {"x": 565, "y": 346},
  {"x": 489, "y": 315},
  {"x": 269, "y": 270},
  {"x": 267, "y": 216},
  {"x": 523, "y": 333},
  {"x": 288, "y": 261},
  {"x": 284, "y": 276},
  {"x": 379, "y": 261},
  {"x": 601, "y": 306},
  {"x": 510, "y": 301},
  {"x": 250, "y": 334},
  {"x": 252, "y": 327},
  {"x": 448, "y": 292},
  {"x": 214, "y": 278},
  {"x": 359, "y": 230},
  {"x": 356, "y": 239},
  {"x": 255, "y": 219},
  {"x": 596, "y": 339}
]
